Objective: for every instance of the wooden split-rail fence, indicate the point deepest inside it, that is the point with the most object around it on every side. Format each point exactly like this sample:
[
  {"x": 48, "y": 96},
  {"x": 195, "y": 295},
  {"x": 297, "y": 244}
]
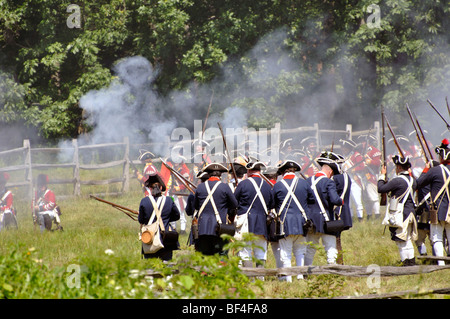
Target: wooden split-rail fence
[{"x": 26, "y": 158}]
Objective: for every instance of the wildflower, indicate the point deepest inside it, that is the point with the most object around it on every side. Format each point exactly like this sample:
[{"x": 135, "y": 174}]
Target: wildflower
[{"x": 109, "y": 252}]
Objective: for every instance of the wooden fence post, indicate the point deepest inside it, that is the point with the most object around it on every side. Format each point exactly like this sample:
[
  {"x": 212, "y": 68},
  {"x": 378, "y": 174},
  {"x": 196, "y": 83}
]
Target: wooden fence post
[
  {"x": 126, "y": 166},
  {"x": 318, "y": 137},
  {"x": 28, "y": 171},
  {"x": 349, "y": 129},
  {"x": 76, "y": 169}
]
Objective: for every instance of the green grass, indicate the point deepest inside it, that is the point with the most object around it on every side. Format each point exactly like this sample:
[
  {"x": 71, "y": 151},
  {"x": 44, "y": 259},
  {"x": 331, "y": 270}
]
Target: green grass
[{"x": 91, "y": 227}]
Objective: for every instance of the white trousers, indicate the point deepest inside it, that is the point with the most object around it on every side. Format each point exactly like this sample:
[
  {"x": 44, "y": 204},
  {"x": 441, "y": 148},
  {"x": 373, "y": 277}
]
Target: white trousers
[
  {"x": 373, "y": 201},
  {"x": 356, "y": 197},
  {"x": 406, "y": 249},
  {"x": 53, "y": 217},
  {"x": 292, "y": 244},
  {"x": 259, "y": 249},
  {"x": 182, "y": 214},
  {"x": 328, "y": 242},
  {"x": 276, "y": 250},
  {"x": 437, "y": 238}
]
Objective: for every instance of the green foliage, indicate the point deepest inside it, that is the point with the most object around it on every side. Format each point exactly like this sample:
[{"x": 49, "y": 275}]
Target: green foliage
[{"x": 49, "y": 66}]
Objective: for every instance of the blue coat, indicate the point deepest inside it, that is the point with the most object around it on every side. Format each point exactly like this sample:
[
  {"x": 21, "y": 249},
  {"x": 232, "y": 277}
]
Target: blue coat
[
  {"x": 291, "y": 214},
  {"x": 326, "y": 189},
  {"x": 257, "y": 218},
  {"x": 225, "y": 202},
  {"x": 169, "y": 213},
  {"x": 435, "y": 179},
  {"x": 346, "y": 215},
  {"x": 396, "y": 187}
]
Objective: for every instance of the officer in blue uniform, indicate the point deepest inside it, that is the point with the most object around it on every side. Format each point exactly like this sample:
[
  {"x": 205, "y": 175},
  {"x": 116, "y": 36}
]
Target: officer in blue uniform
[
  {"x": 169, "y": 213},
  {"x": 255, "y": 200},
  {"x": 292, "y": 196},
  {"x": 323, "y": 209},
  {"x": 402, "y": 187},
  {"x": 436, "y": 177},
  {"x": 215, "y": 203},
  {"x": 343, "y": 188},
  {"x": 201, "y": 177}
]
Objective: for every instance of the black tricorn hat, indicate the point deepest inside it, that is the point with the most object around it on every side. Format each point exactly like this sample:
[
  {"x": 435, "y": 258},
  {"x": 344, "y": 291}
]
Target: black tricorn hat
[
  {"x": 145, "y": 155},
  {"x": 215, "y": 167},
  {"x": 255, "y": 165},
  {"x": 332, "y": 160},
  {"x": 348, "y": 142},
  {"x": 443, "y": 150},
  {"x": 155, "y": 178},
  {"x": 202, "y": 175},
  {"x": 288, "y": 164},
  {"x": 239, "y": 168},
  {"x": 398, "y": 160}
]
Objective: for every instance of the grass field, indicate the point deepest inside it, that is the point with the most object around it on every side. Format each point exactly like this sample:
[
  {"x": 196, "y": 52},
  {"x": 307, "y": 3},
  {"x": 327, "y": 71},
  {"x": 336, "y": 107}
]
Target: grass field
[{"x": 91, "y": 227}]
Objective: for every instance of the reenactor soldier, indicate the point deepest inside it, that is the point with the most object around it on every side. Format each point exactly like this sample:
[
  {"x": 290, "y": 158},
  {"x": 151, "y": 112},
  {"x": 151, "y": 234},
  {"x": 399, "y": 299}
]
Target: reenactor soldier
[
  {"x": 343, "y": 187},
  {"x": 146, "y": 157},
  {"x": 201, "y": 157},
  {"x": 354, "y": 166},
  {"x": 309, "y": 165},
  {"x": 191, "y": 211},
  {"x": 255, "y": 200},
  {"x": 372, "y": 162},
  {"x": 438, "y": 178},
  {"x": 168, "y": 213},
  {"x": 216, "y": 204},
  {"x": 175, "y": 188},
  {"x": 45, "y": 206},
  {"x": 322, "y": 211},
  {"x": 401, "y": 203},
  {"x": 7, "y": 211},
  {"x": 292, "y": 197}
]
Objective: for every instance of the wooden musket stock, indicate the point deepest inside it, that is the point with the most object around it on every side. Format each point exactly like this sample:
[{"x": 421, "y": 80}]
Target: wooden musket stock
[{"x": 127, "y": 211}]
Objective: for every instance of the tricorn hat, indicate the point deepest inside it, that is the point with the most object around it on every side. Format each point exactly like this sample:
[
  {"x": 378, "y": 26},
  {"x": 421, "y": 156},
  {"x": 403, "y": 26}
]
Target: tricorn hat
[
  {"x": 155, "y": 178},
  {"x": 145, "y": 155},
  {"x": 288, "y": 164},
  {"x": 348, "y": 142},
  {"x": 331, "y": 159},
  {"x": 239, "y": 168},
  {"x": 202, "y": 175},
  {"x": 443, "y": 150},
  {"x": 255, "y": 165},
  {"x": 398, "y": 160},
  {"x": 215, "y": 167}
]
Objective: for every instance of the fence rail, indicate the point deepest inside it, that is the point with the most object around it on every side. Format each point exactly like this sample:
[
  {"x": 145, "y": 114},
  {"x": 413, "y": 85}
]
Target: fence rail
[{"x": 324, "y": 139}]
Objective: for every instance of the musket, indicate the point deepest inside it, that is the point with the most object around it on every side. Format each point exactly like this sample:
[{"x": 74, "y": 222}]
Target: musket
[
  {"x": 417, "y": 133},
  {"x": 423, "y": 137},
  {"x": 228, "y": 155},
  {"x": 127, "y": 211},
  {"x": 207, "y": 114},
  {"x": 190, "y": 186},
  {"x": 132, "y": 165},
  {"x": 434, "y": 108},
  {"x": 383, "y": 199},
  {"x": 448, "y": 106},
  {"x": 395, "y": 138}
]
